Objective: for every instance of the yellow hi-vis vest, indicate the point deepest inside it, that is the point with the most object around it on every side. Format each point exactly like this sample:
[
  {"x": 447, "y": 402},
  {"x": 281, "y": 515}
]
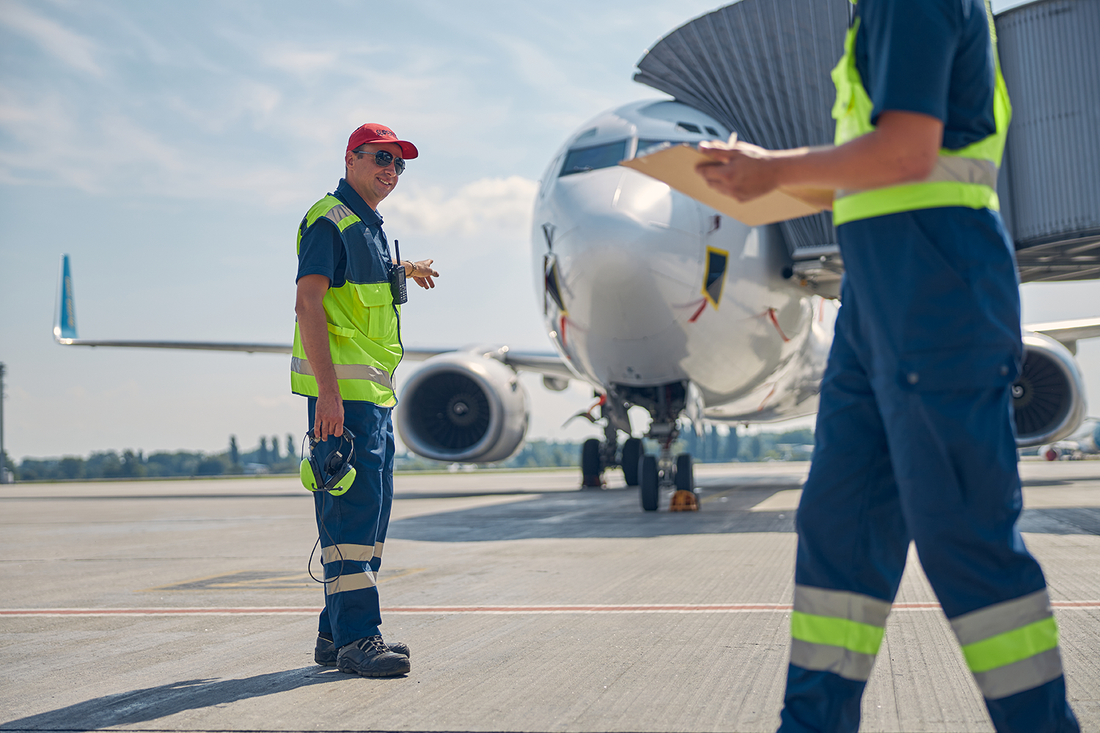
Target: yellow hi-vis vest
[
  {"x": 965, "y": 177},
  {"x": 363, "y": 321}
]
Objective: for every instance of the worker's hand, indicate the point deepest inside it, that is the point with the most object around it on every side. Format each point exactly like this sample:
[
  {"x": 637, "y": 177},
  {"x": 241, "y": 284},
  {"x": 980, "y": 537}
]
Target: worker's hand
[
  {"x": 423, "y": 273},
  {"x": 742, "y": 171},
  {"x": 328, "y": 418}
]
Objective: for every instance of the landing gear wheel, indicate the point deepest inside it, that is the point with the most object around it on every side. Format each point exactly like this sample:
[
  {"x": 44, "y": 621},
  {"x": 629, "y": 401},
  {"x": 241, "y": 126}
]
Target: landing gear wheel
[
  {"x": 684, "y": 500},
  {"x": 632, "y": 456},
  {"x": 685, "y": 475},
  {"x": 590, "y": 464},
  {"x": 648, "y": 484}
]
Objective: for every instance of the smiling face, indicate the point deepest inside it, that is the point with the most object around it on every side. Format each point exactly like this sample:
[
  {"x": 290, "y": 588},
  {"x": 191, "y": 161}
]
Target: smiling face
[{"x": 370, "y": 180}]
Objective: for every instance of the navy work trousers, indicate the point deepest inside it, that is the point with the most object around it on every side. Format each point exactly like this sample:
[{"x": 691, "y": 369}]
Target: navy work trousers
[
  {"x": 914, "y": 441},
  {"x": 352, "y": 526}
]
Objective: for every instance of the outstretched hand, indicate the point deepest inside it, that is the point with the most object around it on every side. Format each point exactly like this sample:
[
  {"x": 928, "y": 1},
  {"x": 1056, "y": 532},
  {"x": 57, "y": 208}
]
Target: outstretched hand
[{"x": 423, "y": 273}]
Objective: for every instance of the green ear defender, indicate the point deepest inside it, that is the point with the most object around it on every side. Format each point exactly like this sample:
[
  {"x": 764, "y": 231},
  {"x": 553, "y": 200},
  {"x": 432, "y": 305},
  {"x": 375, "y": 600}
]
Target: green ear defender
[{"x": 338, "y": 466}]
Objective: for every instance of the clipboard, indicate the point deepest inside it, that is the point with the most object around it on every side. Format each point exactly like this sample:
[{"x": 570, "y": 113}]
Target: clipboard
[{"x": 676, "y": 166}]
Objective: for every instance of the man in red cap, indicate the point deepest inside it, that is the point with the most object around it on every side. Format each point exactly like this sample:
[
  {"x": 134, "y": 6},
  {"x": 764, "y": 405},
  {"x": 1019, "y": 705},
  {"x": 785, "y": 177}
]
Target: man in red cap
[{"x": 347, "y": 344}]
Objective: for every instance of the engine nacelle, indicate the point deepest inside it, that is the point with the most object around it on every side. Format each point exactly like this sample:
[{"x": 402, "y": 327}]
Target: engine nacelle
[
  {"x": 1051, "y": 452},
  {"x": 1049, "y": 397},
  {"x": 464, "y": 406}
]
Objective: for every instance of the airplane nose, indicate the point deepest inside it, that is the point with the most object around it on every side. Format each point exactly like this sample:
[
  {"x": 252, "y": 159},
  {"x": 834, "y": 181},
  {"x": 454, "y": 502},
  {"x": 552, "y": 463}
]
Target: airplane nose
[
  {"x": 624, "y": 238},
  {"x": 615, "y": 193}
]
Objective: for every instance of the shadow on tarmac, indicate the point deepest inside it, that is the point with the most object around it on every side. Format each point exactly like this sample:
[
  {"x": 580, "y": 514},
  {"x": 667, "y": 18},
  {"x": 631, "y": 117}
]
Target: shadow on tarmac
[
  {"x": 610, "y": 513},
  {"x": 616, "y": 513},
  {"x": 153, "y": 703}
]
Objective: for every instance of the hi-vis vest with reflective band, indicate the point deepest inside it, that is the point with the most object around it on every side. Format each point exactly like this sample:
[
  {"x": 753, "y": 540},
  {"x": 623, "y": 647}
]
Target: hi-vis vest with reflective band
[
  {"x": 363, "y": 321},
  {"x": 965, "y": 177}
]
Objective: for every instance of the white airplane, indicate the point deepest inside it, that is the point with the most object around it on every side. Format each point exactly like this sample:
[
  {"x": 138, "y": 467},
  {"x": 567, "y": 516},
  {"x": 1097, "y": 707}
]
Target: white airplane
[
  {"x": 657, "y": 301},
  {"x": 660, "y": 302},
  {"x": 1084, "y": 441}
]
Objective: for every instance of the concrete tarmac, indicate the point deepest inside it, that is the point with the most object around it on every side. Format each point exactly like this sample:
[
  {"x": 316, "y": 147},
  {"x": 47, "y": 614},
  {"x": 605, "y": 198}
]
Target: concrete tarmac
[{"x": 529, "y": 606}]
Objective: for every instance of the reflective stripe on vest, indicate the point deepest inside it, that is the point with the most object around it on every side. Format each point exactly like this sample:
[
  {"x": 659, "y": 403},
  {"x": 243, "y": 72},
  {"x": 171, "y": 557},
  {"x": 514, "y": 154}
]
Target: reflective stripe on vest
[
  {"x": 965, "y": 177},
  {"x": 836, "y": 631},
  {"x": 1012, "y": 646},
  {"x": 364, "y": 333},
  {"x": 345, "y": 372}
]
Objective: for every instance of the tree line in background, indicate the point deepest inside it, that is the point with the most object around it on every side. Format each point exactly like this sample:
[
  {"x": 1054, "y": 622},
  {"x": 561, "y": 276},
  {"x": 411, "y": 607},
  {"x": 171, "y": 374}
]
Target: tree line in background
[
  {"x": 719, "y": 445},
  {"x": 267, "y": 457}
]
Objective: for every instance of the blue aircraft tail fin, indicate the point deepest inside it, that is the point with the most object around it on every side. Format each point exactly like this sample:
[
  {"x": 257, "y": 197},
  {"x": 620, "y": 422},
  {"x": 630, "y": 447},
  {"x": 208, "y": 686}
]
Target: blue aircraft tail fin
[{"x": 64, "y": 326}]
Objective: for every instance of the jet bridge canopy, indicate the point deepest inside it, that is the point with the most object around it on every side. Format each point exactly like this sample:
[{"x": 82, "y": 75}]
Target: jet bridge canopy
[
  {"x": 1050, "y": 181},
  {"x": 762, "y": 68}
]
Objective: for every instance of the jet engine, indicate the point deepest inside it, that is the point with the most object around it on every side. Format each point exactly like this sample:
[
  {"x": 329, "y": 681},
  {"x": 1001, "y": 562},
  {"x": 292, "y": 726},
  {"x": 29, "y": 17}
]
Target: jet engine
[
  {"x": 463, "y": 406},
  {"x": 1051, "y": 452},
  {"x": 1049, "y": 397}
]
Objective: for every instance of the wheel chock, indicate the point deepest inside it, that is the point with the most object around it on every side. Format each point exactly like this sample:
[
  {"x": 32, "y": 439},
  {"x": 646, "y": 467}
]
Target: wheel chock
[
  {"x": 684, "y": 501},
  {"x": 591, "y": 482}
]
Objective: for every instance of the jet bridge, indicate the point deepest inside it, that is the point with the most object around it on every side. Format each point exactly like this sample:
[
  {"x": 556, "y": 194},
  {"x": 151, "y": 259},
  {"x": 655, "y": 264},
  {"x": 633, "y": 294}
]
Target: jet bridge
[{"x": 762, "y": 68}]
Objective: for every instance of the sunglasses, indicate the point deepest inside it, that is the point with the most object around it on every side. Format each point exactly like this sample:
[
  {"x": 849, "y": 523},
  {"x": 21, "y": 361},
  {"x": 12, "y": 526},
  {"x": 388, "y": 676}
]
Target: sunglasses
[{"x": 383, "y": 158}]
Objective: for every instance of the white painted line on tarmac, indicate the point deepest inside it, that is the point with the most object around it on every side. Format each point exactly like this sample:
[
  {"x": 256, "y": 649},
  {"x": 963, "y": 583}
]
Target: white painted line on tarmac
[
  {"x": 781, "y": 501},
  {"x": 507, "y": 610}
]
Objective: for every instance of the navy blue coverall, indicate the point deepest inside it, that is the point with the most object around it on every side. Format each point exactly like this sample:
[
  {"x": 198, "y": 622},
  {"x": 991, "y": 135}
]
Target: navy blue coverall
[
  {"x": 352, "y": 527},
  {"x": 915, "y": 439}
]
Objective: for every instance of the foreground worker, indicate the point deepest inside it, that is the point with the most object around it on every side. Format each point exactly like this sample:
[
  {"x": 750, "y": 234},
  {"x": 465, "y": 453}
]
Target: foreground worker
[
  {"x": 914, "y": 432},
  {"x": 347, "y": 344}
]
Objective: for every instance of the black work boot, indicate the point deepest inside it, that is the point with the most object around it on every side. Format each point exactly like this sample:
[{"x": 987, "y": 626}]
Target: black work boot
[
  {"x": 324, "y": 653},
  {"x": 369, "y": 657}
]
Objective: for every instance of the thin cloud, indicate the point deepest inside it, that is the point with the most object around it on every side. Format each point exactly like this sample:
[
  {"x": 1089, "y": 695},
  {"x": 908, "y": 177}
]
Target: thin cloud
[
  {"x": 300, "y": 61},
  {"x": 69, "y": 47},
  {"x": 500, "y": 204}
]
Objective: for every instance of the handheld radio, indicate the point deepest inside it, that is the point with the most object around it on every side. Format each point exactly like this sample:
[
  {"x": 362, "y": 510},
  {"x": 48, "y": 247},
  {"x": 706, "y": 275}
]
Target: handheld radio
[{"x": 397, "y": 277}]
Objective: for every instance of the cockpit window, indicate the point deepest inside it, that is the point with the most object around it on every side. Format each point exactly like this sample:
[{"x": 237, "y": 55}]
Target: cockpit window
[{"x": 580, "y": 160}]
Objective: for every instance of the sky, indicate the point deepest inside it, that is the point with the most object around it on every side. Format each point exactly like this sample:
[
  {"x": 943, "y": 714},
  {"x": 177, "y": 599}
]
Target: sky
[{"x": 172, "y": 148}]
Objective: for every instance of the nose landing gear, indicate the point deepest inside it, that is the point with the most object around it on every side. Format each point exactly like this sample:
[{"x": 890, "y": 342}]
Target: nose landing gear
[
  {"x": 658, "y": 473},
  {"x": 652, "y": 474},
  {"x": 684, "y": 500}
]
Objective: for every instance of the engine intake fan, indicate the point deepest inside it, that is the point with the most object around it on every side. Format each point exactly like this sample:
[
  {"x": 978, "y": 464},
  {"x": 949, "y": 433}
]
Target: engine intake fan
[
  {"x": 1048, "y": 399},
  {"x": 463, "y": 406}
]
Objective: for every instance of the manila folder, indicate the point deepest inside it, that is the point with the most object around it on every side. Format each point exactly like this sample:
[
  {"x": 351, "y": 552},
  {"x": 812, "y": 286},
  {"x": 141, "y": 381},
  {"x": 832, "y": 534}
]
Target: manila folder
[{"x": 676, "y": 167}]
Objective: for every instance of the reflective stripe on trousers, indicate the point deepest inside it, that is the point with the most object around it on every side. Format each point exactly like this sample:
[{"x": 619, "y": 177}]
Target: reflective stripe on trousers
[
  {"x": 1011, "y": 646},
  {"x": 837, "y": 631},
  {"x": 350, "y": 553},
  {"x": 356, "y": 553},
  {"x": 353, "y": 581}
]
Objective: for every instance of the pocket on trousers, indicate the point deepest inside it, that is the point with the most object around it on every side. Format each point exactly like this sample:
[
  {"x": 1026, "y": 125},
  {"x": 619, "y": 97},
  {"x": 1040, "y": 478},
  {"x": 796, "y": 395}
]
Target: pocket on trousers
[{"x": 957, "y": 369}]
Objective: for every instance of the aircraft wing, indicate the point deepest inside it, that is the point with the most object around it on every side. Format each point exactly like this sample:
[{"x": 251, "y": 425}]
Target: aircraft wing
[
  {"x": 539, "y": 362},
  {"x": 65, "y": 333},
  {"x": 64, "y": 328},
  {"x": 1068, "y": 333},
  {"x": 546, "y": 364}
]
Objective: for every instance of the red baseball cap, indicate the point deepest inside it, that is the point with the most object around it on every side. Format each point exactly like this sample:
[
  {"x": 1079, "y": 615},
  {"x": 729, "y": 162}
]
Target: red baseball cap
[{"x": 372, "y": 132}]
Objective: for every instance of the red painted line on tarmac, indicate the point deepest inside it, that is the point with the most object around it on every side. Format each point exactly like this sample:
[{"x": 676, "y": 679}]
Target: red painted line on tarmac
[
  {"x": 254, "y": 611},
  {"x": 516, "y": 610}
]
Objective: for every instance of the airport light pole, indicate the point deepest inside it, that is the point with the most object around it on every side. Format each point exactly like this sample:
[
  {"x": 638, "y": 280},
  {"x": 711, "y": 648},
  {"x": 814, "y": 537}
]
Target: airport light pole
[{"x": 2, "y": 466}]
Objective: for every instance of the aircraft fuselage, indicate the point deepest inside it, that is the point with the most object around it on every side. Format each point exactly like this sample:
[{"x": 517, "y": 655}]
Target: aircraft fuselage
[{"x": 643, "y": 286}]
